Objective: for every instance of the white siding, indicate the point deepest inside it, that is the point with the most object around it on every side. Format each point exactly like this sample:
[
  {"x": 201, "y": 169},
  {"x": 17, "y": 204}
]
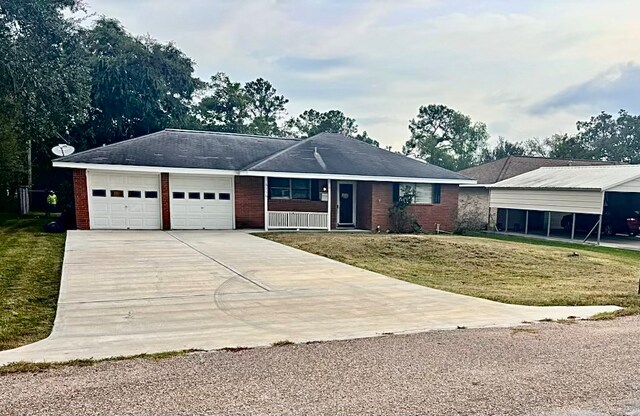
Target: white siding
[
  {"x": 631, "y": 186},
  {"x": 585, "y": 202}
]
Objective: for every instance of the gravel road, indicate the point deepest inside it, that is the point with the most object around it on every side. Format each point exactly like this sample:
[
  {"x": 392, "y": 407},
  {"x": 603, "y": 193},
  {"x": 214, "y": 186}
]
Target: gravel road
[{"x": 586, "y": 368}]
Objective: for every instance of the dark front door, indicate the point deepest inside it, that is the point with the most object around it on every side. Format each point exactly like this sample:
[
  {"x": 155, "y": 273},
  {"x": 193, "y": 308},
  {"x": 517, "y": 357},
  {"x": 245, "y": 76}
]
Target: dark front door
[{"x": 345, "y": 193}]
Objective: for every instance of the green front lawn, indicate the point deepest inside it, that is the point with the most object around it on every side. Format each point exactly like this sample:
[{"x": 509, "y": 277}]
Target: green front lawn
[
  {"x": 519, "y": 272},
  {"x": 30, "y": 265}
]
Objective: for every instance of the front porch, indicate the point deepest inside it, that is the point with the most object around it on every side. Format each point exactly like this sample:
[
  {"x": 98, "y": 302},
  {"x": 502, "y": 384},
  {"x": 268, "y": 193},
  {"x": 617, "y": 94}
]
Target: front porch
[
  {"x": 316, "y": 204},
  {"x": 285, "y": 203}
]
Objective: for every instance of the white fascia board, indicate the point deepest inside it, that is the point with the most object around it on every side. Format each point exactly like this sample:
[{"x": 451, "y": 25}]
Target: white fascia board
[
  {"x": 542, "y": 188},
  {"x": 475, "y": 185},
  {"x": 342, "y": 177},
  {"x": 194, "y": 171},
  {"x": 147, "y": 169}
]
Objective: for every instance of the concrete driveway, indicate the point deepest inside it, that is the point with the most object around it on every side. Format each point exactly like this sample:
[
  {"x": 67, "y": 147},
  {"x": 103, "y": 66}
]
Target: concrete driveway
[{"x": 132, "y": 292}]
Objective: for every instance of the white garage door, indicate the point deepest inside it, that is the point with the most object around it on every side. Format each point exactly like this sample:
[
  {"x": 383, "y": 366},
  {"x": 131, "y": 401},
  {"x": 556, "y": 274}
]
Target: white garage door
[
  {"x": 124, "y": 201},
  {"x": 201, "y": 202}
]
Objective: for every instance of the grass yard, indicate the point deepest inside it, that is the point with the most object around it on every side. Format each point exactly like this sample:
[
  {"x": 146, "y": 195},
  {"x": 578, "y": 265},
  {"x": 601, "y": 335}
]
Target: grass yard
[
  {"x": 30, "y": 265},
  {"x": 520, "y": 272}
]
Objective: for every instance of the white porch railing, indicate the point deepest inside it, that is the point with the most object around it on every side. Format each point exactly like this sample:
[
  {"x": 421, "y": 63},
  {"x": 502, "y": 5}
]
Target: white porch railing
[{"x": 295, "y": 220}]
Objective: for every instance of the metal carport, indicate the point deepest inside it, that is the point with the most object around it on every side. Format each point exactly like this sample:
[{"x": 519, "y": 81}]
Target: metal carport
[{"x": 573, "y": 190}]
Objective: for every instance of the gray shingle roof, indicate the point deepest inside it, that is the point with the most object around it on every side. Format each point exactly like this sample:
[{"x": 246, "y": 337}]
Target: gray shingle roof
[
  {"x": 325, "y": 153},
  {"x": 341, "y": 155},
  {"x": 511, "y": 166},
  {"x": 185, "y": 149}
]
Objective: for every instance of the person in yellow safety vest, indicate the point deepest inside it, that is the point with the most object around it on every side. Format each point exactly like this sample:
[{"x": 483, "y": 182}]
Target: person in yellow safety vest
[{"x": 52, "y": 201}]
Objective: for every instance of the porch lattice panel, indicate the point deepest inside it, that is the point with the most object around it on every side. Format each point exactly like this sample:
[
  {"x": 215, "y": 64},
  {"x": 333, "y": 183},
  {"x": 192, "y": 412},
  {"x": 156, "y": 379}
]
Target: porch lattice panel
[{"x": 298, "y": 220}]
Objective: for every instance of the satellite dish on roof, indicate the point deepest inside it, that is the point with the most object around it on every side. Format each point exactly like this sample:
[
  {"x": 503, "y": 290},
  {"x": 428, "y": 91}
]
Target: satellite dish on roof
[{"x": 63, "y": 150}]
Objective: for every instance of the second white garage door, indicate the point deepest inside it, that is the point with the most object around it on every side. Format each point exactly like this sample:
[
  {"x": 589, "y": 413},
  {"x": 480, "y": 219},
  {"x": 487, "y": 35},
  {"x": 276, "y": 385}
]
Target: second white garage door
[{"x": 201, "y": 202}]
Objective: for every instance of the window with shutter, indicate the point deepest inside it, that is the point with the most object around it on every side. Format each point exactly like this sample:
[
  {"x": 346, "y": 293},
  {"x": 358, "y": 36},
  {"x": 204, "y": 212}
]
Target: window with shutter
[{"x": 424, "y": 192}]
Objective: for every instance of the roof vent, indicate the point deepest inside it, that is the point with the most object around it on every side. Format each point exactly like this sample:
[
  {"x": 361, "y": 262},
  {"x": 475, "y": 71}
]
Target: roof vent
[{"x": 319, "y": 158}]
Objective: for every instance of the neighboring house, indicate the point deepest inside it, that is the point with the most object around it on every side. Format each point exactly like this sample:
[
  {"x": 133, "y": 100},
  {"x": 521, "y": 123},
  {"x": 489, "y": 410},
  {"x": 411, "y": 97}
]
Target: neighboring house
[
  {"x": 178, "y": 179},
  {"x": 474, "y": 199}
]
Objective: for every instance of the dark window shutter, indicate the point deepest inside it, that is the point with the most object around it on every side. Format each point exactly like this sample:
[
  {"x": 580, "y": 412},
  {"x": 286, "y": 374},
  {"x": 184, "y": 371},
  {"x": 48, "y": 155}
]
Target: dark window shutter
[
  {"x": 436, "y": 193},
  {"x": 396, "y": 193},
  {"x": 315, "y": 189}
]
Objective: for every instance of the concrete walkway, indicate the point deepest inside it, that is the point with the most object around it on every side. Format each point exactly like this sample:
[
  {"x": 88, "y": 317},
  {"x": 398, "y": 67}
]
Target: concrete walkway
[{"x": 132, "y": 292}]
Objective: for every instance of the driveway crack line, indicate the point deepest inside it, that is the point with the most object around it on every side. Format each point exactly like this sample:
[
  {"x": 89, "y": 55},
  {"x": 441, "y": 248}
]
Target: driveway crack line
[{"x": 232, "y": 270}]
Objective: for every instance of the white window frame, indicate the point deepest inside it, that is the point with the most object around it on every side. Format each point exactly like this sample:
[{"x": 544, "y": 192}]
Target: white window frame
[{"x": 414, "y": 187}]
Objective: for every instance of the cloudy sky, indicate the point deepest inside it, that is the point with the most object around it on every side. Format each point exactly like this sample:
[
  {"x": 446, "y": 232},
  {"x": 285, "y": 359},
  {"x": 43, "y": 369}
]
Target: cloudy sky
[{"x": 525, "y": 68}]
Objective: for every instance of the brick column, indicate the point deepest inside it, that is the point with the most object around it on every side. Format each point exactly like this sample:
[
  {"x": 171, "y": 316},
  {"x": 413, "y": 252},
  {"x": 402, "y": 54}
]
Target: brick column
[
  {"x": 381, "y": 201},
  {"x": 249, "y": 201},
  {"x": 334, "y": 204},
  {"x": 164, "y": 200},
  {"x": 81, "y": 198}
]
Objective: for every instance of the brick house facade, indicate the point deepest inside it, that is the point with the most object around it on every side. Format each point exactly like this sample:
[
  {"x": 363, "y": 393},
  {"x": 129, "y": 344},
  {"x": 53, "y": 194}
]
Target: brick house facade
[
  {"x": 373, "y": 200},
  {"x": 184, "y": 179},
  {"x": 375, "y": 206}
]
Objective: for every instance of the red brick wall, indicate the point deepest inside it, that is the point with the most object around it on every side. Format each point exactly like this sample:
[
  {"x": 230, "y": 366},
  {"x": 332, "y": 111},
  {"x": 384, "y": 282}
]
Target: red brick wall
[
  {"x": 372, "y": 207},
  {"x": 444, "y": 213},
  {"x": 363, "y": 206},
  {"x": 427, "y": 215},
  {"x": 164, "y": 200},
  {"x": 381, "y": 201},
  {"x": 334, "y": 204},
  {"x": 249, "y": 202},
  {"x": 81, "y": 198},
  {"x": 297, "y": 205}
]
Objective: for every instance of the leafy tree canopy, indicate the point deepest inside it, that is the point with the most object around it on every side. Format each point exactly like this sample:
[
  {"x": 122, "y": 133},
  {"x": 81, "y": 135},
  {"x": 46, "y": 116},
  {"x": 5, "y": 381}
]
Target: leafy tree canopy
[
  {"x": 312, "y": 122},
  {"x": 138, "y": 85},
  {"x": 224, "y": 108},
  {"x": 501, "y": 150},
  {"x": 42, "y": 76},
  {"x": 602, "y": 137},
  {"x": 252, "y": 108},
  {"x": 43, "y": 83},
  {"x": 265, "y": 107},
  {"x": 445, "y": 137}
]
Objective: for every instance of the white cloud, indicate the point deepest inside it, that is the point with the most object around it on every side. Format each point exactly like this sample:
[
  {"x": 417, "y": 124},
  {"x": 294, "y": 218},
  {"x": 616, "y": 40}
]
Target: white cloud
[{"x": 379, "y": 61}]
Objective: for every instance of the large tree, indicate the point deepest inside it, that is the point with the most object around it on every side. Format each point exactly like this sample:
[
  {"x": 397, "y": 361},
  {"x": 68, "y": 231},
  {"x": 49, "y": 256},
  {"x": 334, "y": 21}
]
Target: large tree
[
  {"x": 602, "y": 137},
  {"x": 446, "y": 137},
  {"x": 564, "y": 146},
  {"x": 253, "y": 108},
  {"x": 606, "y": 137},
  {"x": 501, "y": 150},
  {"x": 312, "y": 122},
  {"x": 265, "y": 107},
  {"x": 138, "y": 86},
  {"x": 43, "y": 82},
  {"x": 224, "y": 107}
]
